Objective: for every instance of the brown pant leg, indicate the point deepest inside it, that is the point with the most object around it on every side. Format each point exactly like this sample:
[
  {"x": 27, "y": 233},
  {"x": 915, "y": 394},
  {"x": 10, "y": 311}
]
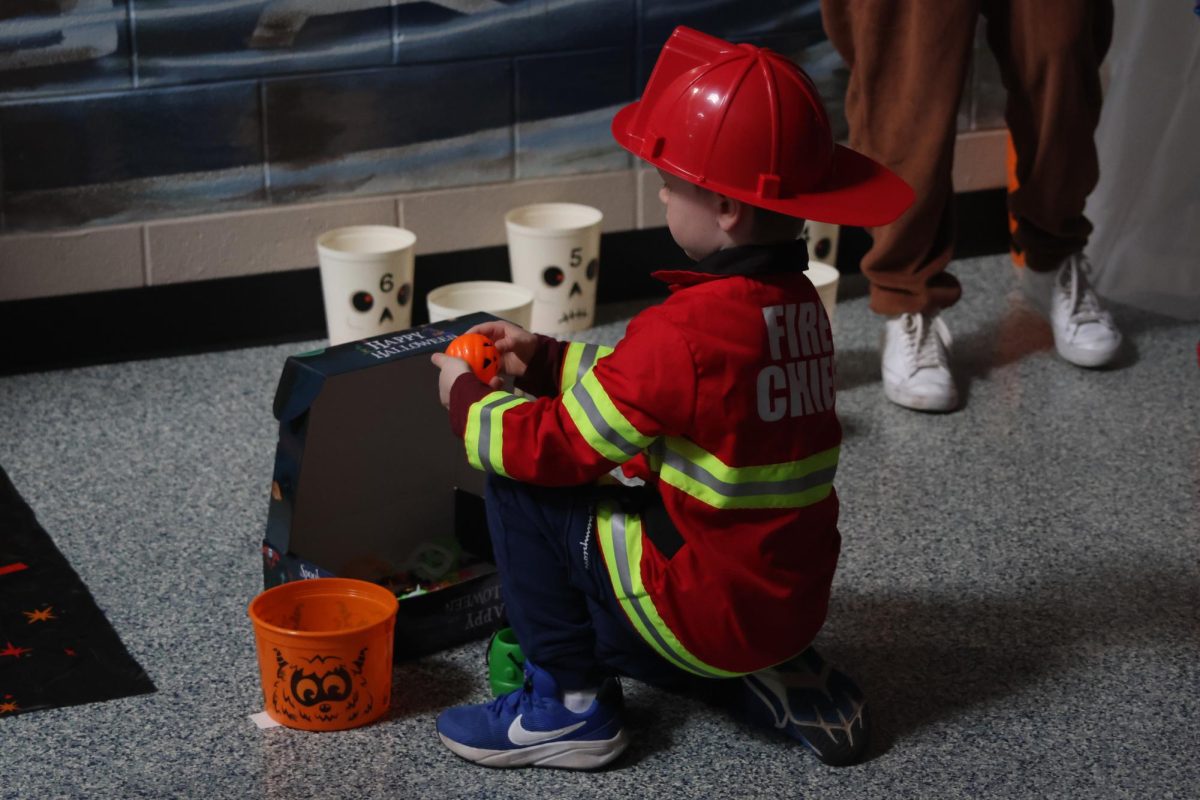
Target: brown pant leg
[
  {"x": 1050, "y": 56},
  {"x": 908, "y": 62}
]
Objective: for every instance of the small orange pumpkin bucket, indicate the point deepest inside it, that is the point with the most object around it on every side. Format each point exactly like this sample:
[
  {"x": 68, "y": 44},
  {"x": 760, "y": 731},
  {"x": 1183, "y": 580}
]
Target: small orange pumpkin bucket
[{"x": 325, "y": 652}]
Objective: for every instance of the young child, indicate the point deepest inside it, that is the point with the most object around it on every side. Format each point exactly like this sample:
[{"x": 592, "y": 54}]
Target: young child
[{"x": 706, "y": 560}]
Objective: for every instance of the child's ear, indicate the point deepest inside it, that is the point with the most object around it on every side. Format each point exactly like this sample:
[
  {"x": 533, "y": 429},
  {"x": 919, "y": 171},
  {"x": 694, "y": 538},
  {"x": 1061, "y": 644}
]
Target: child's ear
[{"x": 732, "y": 213}]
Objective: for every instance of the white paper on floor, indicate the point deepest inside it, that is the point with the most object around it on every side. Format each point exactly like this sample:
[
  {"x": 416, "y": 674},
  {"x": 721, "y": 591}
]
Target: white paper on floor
[{"x": 263, "y": 720}]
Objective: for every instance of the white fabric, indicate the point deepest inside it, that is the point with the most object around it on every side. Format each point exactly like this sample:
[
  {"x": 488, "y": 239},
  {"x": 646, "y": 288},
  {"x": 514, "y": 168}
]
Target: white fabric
[
  {"x": 580, "y": 701},
  {"x": 1146, "y": 208}
]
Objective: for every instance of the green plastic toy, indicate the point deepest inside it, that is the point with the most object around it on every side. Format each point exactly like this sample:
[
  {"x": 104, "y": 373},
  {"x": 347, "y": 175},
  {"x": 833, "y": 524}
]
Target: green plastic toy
[{"x": 505, "y": 661}]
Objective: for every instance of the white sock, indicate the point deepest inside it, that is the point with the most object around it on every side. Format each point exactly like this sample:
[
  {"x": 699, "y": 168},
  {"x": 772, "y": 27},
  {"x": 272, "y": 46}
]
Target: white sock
[{"x": 580, "y": 700}]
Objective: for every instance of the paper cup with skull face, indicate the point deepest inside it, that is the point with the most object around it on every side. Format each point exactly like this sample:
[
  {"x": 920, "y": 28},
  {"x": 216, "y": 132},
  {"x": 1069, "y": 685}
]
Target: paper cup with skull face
[
  {"x": 822, "y": 240},
  {"x": 366, "y": 280},
  {"x": 554, "y": 251},
  {"x": 325, "y": 652},
  {"x": 825, "y": 278}
]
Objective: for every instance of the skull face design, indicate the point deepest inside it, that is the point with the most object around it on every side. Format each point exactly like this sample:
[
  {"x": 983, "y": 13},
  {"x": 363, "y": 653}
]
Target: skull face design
[
  {"x": 577, "y": 282},
  {"x": 821, "y": 238},
  {"x": 371, "y": 312},
  {"x": 321, "y": 689}
]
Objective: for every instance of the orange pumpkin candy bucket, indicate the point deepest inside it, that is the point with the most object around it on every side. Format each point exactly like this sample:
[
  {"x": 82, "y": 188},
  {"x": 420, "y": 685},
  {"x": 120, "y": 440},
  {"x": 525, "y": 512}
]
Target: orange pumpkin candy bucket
[{"x": 325, "y": 652}]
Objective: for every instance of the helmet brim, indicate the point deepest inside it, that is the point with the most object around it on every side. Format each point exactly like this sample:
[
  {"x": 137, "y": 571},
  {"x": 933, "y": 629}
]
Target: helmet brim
[{"x": 858, "y": 191}]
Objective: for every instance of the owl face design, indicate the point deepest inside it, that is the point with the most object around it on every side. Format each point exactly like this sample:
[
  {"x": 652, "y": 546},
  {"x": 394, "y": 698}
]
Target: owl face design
[{"x": 325, "y": 689}]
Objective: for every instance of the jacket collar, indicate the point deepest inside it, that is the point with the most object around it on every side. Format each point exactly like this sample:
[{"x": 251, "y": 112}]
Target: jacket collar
[{"x": 748, "y": 259}]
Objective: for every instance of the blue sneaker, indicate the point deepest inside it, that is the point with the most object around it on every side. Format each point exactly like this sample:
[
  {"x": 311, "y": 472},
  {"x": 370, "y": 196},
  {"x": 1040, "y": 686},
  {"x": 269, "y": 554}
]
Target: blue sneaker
[
  {"x": 531, "y": 727},
  {"x": 811, "y": 702}
]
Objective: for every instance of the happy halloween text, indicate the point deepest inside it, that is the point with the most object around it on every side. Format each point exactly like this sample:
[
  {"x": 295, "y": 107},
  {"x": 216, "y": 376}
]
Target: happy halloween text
[
  {"x": 489, "y": 598},
  {"x": 404, "y": 343}
]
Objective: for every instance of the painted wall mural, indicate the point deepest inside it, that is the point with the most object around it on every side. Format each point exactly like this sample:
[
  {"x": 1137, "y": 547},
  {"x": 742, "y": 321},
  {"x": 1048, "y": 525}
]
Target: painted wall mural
[{"x": 124, "y": 110}]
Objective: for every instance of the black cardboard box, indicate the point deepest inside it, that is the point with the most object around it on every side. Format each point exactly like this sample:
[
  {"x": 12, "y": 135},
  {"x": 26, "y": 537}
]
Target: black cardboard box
[{"x": 370, "y": 483}]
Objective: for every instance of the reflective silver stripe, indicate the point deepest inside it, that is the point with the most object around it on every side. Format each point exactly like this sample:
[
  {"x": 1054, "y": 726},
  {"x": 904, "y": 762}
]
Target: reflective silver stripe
[
  {"x": 621, "y": 556},
  {"x": 485, "y": 431},
  {"x": 750, "y": 488},
  {"x": 606, "y": 431},
  {"x": 587, "y": 358}
]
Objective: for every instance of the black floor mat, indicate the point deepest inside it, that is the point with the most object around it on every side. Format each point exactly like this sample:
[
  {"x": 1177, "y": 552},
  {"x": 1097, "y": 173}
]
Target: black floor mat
[{"x": 56, "y": 647}]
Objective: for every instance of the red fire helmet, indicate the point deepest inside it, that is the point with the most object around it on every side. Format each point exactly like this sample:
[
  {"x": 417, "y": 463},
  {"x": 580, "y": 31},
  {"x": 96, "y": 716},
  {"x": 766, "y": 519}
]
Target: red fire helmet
[{"x": 746, "y": 122}]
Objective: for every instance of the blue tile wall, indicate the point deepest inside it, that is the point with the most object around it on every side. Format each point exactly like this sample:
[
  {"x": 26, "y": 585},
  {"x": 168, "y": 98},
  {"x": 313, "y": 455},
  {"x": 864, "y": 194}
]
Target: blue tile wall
[
  {"x": 181, "y": 41},
  {"x": 736, "y": 21},
  {"x": 52, "y": 46},
  {"x": 565, "y": 105},
  {"x": 389, "y": 130},
  {"x": 437, "y": 32},
  {"x": 126, "y": 110},
  {"x": 106, "y": 157},
  {"x": 118, "y": 137}
]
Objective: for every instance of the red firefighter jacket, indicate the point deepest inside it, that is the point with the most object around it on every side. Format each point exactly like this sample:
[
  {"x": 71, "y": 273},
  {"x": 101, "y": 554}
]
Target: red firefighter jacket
[{"x": 721, "y": 400}]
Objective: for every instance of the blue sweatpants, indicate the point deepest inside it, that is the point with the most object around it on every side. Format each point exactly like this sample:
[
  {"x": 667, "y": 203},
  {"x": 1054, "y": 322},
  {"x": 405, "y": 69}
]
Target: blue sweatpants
[{"x": 557, "y": 595}]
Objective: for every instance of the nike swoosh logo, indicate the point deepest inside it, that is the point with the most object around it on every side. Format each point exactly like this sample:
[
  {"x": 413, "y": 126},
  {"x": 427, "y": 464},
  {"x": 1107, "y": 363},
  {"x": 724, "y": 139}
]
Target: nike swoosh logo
[{"x": 518, "y": 734}]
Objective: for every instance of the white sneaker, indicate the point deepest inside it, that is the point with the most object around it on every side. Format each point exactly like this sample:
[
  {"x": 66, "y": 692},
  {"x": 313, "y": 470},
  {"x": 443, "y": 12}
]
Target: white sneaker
[
  {"x": 916, "y": 363},
  {"x": 1084, "y": 333}
]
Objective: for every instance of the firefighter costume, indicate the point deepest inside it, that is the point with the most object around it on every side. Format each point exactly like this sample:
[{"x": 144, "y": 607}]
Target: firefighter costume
[
  {"x": 718, "y": 404},
  {"x": 722, "y": 560},
  {"x": 714, "y": 566}
]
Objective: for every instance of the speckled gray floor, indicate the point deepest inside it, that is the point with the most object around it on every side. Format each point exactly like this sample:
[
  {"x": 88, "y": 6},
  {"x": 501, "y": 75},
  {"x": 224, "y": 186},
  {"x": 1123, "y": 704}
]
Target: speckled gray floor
[{"x": 1018, "y": 593}]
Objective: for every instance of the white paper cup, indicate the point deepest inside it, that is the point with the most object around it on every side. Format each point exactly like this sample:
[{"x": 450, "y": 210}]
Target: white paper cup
[
  {"x": 499, "y": 298},
  {"x": 825, "y": 278},
  {"x": 822, "y": 240},
  {"x": 554, "y": 251},
  {"x": 366, "y": 280}
]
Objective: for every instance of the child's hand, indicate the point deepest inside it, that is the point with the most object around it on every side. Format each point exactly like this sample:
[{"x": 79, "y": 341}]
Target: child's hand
[
  {"x": 451, "y": 368},
  {"x": 514, "y": 344}
]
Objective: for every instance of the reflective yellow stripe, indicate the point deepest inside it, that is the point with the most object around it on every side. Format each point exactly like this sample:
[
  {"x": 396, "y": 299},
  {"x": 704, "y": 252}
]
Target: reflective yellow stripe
[
  {"x": 579, "y": 359},
  {"x": 602, "y": 425},
  {"x": 620, "y": 537},
  {"x": 484, "y": 437},
  {"x": 793, "y": 484}
]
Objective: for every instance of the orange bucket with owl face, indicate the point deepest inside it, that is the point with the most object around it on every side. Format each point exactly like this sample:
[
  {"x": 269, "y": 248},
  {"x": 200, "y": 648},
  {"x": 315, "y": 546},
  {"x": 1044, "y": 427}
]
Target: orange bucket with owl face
[{"x": 325, "y": 652}]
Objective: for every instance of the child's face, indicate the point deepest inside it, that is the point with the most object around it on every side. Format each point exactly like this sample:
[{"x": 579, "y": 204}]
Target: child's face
[{"x": 692, "y": 216}]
